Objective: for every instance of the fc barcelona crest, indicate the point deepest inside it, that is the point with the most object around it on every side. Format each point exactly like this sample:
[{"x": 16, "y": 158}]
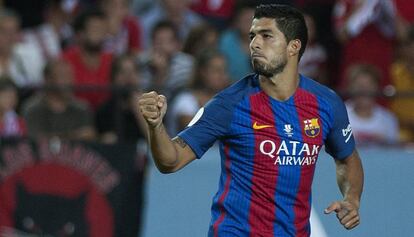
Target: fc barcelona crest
[{"x": 312, "y": 127}]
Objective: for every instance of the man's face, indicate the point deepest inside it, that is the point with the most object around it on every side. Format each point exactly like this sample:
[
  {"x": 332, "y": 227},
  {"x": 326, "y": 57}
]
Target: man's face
[
  {"x": 94, "y": 34},
  {"x": 268, "y": 47},
  {"x": 127, "y": 75},
  {"x": 364, "y": 88},
  {"x": 164, "y": 42}
]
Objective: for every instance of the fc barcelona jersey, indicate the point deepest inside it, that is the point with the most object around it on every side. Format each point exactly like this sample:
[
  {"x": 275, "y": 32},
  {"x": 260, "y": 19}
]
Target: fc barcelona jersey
[{"x": 268, "y": 150}]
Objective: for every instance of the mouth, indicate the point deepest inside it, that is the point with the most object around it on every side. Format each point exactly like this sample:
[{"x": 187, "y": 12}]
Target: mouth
[{"x": 256, "y": 55}]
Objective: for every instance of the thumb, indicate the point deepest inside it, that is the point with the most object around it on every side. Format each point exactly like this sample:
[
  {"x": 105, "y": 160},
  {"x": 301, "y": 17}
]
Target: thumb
[
  {"x": 162, "y": 104},
  {"x": 335, "y": 206},
  {"x": 161, "y": 101}
]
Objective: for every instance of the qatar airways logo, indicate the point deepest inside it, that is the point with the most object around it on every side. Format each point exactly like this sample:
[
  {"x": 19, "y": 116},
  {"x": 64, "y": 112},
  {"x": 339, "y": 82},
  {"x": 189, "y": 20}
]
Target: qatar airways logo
[{"x": 290, "y": 153}]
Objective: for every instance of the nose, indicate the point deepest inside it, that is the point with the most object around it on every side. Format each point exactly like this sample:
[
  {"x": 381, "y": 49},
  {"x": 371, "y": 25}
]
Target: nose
[{"x": 255, "y": 43}]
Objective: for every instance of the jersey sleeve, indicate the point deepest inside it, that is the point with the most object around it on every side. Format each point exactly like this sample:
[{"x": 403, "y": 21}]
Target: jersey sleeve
[
  {"x": 208, "y": 125},
  {"x": 340, "y": 141}
]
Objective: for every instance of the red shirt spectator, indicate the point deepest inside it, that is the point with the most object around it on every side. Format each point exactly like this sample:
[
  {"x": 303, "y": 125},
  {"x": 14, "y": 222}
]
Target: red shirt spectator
[
  {"x": 89, "y": 77},
  {"x": 89, "y": 62},
  {"x": 124, "y": 31},
  {"x": 366, "y": 31}
]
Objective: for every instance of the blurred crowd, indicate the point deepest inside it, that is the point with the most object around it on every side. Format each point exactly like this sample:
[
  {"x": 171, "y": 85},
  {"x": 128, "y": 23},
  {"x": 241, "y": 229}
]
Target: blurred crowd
[{"x": 74, "y": 69}]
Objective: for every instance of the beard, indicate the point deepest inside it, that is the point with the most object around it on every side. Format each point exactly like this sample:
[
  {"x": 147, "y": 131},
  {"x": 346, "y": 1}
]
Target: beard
[
  {"x": 269, "y": 70},
  {"x": 93, "y": 47}
]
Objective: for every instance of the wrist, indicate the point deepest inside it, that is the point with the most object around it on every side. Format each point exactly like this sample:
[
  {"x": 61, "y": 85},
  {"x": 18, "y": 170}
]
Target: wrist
[
  {"x": 353, "y": 200},
  {"x": 156, "y": 128}
]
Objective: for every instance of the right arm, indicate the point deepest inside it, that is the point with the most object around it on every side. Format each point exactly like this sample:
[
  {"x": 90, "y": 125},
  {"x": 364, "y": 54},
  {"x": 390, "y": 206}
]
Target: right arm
[{"x": 169, "y": 155}]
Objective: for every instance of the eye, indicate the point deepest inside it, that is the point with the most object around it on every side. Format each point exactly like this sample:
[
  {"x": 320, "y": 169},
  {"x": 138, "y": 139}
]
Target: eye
[
  {"x": 251, "y": 37},
  {"x": 267, "y": 36}
]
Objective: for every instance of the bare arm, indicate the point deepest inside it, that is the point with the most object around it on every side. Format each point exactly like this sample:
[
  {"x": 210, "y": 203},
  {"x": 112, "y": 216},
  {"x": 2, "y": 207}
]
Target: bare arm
[
  {"x": 169, "y": 155},
  {"x": 350, "y": 178}
]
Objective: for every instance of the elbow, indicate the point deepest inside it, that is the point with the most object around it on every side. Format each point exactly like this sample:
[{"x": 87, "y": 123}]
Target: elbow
[{"x": 165, "y": 169}]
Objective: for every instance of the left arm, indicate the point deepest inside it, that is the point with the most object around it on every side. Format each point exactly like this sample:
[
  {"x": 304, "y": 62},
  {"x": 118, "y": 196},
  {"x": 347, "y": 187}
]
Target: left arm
[{"x": 350, "y": 178}]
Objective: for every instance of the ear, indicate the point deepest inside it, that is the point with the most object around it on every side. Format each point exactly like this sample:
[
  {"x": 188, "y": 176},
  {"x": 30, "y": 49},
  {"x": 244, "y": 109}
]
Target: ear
[{"x": 294, "y": 47}]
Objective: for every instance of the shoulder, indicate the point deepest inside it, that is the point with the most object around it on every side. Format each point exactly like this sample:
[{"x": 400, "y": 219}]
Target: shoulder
[
  {"x": 322, "y": 92},
  {"x": 225, "y": 101},
  {"x": 182, "y": 58},
  {"x": 33, "y": 105},
  {"x": 385, "y": 113}
]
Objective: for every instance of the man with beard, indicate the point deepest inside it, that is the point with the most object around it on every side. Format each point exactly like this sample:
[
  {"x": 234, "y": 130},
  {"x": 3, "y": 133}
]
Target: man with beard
[
  {"x": 270, "y": 126},
  {"x": 55, "y": 113},
  {"x": 90, "y": 64}
]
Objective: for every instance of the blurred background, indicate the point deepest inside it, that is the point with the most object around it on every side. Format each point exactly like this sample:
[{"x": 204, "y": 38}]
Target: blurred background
[{"x": 73, "y": 155}]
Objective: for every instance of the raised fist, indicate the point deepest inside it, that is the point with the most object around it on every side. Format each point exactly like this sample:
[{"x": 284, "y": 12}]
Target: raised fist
[{"x": 153, "y": 108}]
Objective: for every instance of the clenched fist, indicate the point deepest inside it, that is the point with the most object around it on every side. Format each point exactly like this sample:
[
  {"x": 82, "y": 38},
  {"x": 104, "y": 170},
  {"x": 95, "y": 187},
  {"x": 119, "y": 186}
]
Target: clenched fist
[{"x": 153, "y": 108}]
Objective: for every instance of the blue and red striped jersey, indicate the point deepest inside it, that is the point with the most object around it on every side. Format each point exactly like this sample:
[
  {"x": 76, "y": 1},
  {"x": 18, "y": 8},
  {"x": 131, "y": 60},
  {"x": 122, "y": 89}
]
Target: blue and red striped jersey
[{"x": 268, "y": 150}]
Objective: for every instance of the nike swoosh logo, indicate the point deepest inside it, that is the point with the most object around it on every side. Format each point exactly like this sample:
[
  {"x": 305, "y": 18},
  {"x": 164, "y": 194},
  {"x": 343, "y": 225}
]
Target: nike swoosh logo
[{"x": 257, "y": 127}]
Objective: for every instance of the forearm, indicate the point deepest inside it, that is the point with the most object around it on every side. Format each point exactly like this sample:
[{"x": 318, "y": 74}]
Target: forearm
[
  {"x": 163, "y": 149},
  {"x": 350, "y": 178}
]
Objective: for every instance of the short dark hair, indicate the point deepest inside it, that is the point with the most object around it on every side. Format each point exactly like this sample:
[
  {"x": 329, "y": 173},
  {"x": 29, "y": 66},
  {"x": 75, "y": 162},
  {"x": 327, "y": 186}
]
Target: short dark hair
[
  {"x": 80, "y": 22},
  {"x": 164, "y": 24},
  {"x": 289, "y": 21}
]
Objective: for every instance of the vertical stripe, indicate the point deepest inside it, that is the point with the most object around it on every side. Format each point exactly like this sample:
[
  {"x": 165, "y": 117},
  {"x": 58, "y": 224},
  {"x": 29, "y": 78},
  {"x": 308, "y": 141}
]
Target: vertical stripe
[
  {"x": 288, "y": 175},
  {"x": 241, "y": 142},
  {"x": 264, "y": 179},
  {"x": 307, "y": 108},
  {"x": 224, "y": 194}
]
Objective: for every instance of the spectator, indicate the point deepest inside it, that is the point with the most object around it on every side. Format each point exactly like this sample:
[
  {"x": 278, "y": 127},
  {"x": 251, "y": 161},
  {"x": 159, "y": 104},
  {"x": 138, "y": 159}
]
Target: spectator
[
  {"x": 402, "y": 76},
  {"x": 201, "y": 37},
  {"x": 234, "y": 42},
  {"x": 54, "y": 34},
  {"x": 366, "y": 30},
  {"x": 371, "y": 123},
  {"x": 314, "y": 59},
  {"x": 165, "y": 68},
  {"x": 90, "y": 64},
  {"x": 216, "y": 12},
  {"x": 117, "y": 120},
  {"x": 21, "y": 62},
  {"x": 56, "y": 113},
  {"x": 175, "y": 11},
  {"x": 210, "y": 76},
  {"x": 11, "y": 124},
  {"x": 124, "y": 32}
]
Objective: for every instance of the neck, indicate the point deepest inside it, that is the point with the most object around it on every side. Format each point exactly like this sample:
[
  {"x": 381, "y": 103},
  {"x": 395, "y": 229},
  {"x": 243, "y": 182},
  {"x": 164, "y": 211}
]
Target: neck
[
  {"x": 91, "y": 59},
  {"x": 283, "y": 85}
]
